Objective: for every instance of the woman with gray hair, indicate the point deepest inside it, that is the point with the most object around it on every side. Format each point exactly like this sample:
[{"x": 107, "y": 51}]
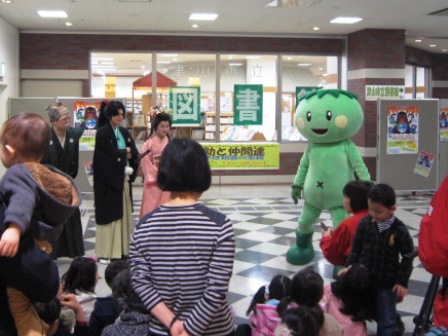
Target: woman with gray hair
[{"x": 63, "y": 153}]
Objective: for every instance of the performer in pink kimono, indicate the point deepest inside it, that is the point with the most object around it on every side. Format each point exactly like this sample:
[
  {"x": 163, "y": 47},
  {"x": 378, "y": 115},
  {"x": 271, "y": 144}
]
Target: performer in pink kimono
[{"x": 158, "y": 139}]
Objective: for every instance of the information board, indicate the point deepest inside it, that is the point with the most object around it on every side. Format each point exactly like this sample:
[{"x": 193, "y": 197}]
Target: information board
[{"x": 408, "y": 144}]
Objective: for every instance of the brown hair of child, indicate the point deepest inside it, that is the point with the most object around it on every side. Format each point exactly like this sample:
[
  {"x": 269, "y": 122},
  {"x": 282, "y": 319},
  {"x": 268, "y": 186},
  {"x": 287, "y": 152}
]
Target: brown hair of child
[{"x": 27, "y": 134}]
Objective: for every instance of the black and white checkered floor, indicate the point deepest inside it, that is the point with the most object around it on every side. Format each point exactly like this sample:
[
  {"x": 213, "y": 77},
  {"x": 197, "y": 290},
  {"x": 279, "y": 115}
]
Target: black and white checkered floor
[{"x": 264, "y": 219}]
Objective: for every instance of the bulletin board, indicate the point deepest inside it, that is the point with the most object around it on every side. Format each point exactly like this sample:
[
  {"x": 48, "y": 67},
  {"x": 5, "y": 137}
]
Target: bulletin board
[
  {"x": 443, "y": 148},
  {"x": 17, "y": 105},
  {"x": 400, "y": 150}
]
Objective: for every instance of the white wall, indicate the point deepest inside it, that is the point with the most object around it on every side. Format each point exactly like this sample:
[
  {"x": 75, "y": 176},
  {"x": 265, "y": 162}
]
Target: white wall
[
  {"x": 123, "y": 87},
  {"x": 9, "y": 54},
  {"x": 409, "y": 80},
  {"x": 51, "y": 88},
  {"x": 295, "y": 76},
  {"x": 420, "y": 82},
  {"x": 98, "y": 86}
]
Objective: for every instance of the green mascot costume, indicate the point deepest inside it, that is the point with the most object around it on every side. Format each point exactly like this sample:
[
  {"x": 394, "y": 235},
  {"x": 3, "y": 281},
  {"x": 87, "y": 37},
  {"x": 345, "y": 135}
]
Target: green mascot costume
[{"x": 328, "y": 119}]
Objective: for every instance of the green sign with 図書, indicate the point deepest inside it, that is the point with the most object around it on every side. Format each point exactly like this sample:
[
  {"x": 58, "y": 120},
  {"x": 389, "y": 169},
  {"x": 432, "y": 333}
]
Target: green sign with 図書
[
  {"x": 247, "y": 155},
  {"x": 186, "y": 105},
  {"x": 248, "y": 104}
]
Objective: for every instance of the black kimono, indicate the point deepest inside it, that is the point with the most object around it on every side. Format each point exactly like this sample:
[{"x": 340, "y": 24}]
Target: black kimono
[
  {"x": 66, "y": 159},
  {"x": 109, "y": 164}
]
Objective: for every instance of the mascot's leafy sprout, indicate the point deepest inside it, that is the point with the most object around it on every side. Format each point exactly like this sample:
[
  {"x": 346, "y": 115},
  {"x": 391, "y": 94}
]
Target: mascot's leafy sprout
[{"x": 328, "y": 119}]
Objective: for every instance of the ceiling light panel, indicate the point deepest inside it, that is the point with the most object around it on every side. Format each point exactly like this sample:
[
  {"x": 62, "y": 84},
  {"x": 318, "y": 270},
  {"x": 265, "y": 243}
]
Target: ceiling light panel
[
  {"x": 346, "y": 20},
  {"x": 292, "y": 3},
  {"x": 203, "y": 17},
  {"x": 52, "y": 14}
]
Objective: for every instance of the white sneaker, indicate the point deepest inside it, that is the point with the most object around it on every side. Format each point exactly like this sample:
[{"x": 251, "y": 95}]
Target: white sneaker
[{"x": 104, "y": 261}]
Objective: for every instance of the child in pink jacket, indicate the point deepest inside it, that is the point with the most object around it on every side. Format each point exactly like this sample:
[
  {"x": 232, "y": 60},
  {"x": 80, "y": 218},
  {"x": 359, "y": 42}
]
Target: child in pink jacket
[
  {"x": 351, "y": 300},
  {"x": 262, "y": 312}
]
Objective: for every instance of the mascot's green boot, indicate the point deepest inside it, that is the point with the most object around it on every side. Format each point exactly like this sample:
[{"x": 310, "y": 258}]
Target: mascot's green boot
[{"x": 302, "y": 252}]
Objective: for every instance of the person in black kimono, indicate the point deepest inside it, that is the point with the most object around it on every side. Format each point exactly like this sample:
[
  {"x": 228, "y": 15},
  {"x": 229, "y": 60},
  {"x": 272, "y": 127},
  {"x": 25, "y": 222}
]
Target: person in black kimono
[
  {"x": 114, "y": 169},
  {"x": 63, "y": 153}
]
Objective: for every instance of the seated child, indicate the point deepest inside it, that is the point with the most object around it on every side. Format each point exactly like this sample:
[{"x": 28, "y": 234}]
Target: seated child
[
  {"x": 351, "y": 300},
  {"x": 300, "y": 321},
  {"x": 262, "y": 311},
  {"x": 106, "y": 309},
  {"x": 336, "y": 244},
  {"x": 81, "y": 279},
  {"x": 134, "y": 318},
  {"x": 49, "y": 313},
  {"x": 307, "y": 289},
  {"x": 37, "y": 200}
]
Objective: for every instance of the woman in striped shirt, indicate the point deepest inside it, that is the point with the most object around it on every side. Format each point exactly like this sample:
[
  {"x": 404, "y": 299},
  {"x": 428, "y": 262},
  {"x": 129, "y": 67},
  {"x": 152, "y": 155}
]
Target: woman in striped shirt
[{"x": 182, "y": 252}]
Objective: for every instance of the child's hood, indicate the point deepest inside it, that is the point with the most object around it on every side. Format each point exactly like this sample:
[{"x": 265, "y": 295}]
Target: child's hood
[{"x": 58, "y": 192}]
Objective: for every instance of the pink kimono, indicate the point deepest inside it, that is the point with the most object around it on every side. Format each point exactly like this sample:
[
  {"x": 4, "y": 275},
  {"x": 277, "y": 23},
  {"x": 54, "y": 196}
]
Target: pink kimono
[{"x": 152, "y": 195}]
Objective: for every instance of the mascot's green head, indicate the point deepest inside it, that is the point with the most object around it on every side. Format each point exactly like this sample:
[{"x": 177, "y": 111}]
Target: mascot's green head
[{"x": 327, "y": 116}]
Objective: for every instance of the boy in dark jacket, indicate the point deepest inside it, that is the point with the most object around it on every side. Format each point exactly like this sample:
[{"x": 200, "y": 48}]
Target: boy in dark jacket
[{"x": 379, "y": 241}]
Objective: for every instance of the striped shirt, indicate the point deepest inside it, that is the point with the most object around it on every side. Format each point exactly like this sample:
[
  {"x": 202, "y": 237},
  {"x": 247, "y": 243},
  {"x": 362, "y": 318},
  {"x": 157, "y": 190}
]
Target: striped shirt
[
  {"x": 383, "y": 226},
  {"x": 183, "y": 256}
]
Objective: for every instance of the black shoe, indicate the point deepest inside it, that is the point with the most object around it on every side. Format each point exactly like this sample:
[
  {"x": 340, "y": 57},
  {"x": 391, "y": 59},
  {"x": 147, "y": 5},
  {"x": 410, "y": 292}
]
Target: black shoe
[{"x": 399, "y": 329}]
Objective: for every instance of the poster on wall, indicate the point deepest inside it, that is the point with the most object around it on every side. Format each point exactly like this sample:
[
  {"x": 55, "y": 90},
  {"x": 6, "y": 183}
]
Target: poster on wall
[
  {"x": 424, "y": 164},
  {"x": 443, "y": 119},
  {"x": 88, "y": 168},
  {"x": 86, "y": 116},
  {"x": 402, "y": 129}
]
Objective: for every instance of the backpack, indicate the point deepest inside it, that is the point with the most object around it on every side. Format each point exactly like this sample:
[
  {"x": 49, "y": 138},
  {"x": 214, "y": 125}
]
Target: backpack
[{"x": 433, "y": 235}]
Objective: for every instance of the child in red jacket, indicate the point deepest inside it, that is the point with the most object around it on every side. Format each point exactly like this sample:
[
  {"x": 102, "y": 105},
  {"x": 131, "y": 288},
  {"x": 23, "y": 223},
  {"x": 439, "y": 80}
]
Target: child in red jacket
[{"x": 336, "y": 244}]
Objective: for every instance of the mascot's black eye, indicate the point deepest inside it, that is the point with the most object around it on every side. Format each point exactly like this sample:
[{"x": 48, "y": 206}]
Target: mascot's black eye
[
  {"x": 329, "y": 115},
  {"x": 308, "y": 116}
]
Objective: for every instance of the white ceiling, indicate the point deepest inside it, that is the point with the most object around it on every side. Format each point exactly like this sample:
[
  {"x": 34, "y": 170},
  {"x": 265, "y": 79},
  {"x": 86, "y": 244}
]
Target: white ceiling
[{"x": 236, "y": 18}]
